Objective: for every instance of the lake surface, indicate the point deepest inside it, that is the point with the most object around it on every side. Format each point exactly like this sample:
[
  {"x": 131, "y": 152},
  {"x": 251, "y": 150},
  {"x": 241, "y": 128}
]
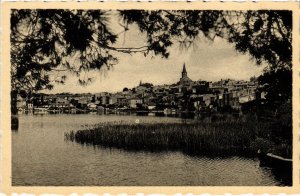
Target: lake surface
[{"x": 41, "y": 157}]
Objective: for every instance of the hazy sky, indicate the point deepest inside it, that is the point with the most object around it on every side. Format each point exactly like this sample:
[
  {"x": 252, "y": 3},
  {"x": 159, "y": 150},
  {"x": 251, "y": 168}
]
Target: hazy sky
[{"x": 206, "y": 60}]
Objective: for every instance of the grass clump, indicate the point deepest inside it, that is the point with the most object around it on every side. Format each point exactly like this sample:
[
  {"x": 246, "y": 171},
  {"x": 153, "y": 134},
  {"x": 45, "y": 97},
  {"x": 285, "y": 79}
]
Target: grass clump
[{"x": 199, "y": 138}]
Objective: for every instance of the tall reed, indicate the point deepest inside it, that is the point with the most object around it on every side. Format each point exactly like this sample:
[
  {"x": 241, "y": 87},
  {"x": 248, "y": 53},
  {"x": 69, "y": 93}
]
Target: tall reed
[{"x": 205, "y": 138}]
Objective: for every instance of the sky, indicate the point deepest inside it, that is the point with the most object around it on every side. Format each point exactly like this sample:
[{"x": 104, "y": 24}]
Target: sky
[{"x": 205, "y": 60}]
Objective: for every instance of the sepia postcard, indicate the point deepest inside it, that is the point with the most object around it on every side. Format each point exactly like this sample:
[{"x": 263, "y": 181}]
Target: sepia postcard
[{"x": 150, "y": 97}]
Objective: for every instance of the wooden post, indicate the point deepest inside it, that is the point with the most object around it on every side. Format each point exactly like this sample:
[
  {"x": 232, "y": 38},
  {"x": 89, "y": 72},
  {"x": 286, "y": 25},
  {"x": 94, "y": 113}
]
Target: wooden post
[{"x": 14, "y": 110}]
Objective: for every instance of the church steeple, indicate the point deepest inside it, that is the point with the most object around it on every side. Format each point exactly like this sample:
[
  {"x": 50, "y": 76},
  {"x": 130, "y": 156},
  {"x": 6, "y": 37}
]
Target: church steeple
[
  {"x": 184, "y": 80},
  {"x": 184, "y": 73}
]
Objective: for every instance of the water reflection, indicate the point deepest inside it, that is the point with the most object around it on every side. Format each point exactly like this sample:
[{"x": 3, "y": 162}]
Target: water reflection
[{"x": 41, "y": 157}]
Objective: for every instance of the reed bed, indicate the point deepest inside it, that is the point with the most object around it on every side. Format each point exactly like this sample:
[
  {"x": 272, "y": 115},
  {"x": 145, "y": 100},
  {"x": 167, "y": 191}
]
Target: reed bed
[{"x": 199, "y": 138}]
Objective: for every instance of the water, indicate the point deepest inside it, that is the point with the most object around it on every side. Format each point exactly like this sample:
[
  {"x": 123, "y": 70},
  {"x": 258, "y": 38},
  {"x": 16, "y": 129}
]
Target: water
[{"x": 41, "y": 157}]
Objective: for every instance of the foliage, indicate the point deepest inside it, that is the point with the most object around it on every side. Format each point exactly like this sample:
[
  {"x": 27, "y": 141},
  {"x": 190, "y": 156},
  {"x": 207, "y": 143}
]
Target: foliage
[
  {"x": 265, "y": 34},
  {"x": 47, "y": 43},
  {"x": 278, "y": 84},
  {"x": 51, "y": 41}
]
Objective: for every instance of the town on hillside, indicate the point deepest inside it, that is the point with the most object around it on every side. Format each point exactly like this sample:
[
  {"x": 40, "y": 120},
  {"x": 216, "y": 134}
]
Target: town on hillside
[{"x": 184, "y": 96}]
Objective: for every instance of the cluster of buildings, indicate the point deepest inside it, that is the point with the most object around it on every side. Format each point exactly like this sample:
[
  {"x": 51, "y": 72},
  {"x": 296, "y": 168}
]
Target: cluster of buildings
[{"x": 185, "y": 95}]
